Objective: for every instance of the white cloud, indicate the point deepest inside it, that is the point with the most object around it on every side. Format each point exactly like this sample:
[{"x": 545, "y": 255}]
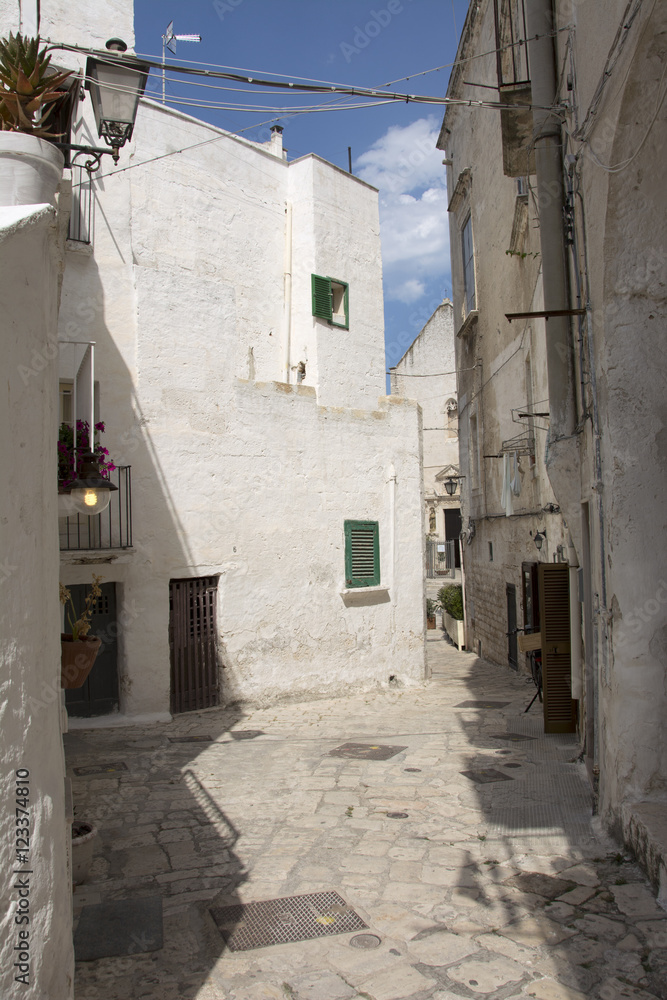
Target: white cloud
[
  {"x": 409, "y": 292},
  {"x": 403, "y": 159},
  {"x": 407, "y": 169}
]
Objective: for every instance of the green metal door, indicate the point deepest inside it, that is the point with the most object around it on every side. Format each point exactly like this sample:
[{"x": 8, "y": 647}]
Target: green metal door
[{"x": 99, "y": 694}]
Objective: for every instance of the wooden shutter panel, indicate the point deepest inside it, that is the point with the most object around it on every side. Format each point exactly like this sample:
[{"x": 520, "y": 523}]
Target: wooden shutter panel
[
  {"x": 362, "y": 554},
  {"x": 560, "y": 711},
  {"x": 321, "y": 289}
]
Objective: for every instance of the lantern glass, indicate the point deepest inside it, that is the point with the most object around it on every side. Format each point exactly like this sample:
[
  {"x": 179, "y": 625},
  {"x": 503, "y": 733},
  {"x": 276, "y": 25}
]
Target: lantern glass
[{"x": 115, "y": 88}]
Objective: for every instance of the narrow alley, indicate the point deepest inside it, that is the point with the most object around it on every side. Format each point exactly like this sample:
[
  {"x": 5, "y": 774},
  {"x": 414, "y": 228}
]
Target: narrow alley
[{"x": 438, "y": 844}]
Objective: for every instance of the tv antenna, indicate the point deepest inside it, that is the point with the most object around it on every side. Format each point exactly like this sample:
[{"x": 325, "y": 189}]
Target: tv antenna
[{"x": 169, "y": 40}]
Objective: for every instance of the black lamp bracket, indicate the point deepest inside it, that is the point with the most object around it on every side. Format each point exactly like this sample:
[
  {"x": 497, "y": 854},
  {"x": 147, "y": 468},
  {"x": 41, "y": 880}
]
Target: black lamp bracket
[{"x": 95, "y": 154}]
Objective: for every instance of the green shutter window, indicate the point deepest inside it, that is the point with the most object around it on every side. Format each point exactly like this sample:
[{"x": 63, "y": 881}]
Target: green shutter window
[
  {"x": 321, "y": 288},
  {"x": 362, "y": 554},
  {"x": 331, "y": 300}
]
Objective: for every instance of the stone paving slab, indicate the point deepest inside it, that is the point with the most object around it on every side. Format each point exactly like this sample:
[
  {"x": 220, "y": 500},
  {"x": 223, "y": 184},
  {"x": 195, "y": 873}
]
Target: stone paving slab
[{"x": 505, "y": 890}]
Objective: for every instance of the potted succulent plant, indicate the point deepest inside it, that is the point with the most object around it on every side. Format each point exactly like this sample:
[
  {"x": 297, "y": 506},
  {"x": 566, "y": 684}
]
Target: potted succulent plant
[
  {"x": 78, "y": 649},
  {"x": 30, "y": 165}
]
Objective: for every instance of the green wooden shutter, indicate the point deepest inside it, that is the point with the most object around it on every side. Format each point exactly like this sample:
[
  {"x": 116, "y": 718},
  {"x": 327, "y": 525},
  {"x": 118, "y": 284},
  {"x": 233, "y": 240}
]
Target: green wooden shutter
[
  {"x": 321, "y": 289},
  {"x": 560, "y": 711},
  {"x": 362, "y": 553}
]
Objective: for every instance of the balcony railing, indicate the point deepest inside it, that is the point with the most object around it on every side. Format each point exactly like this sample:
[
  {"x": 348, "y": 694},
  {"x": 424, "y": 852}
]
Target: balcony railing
[{"x": 112, "y": 529}]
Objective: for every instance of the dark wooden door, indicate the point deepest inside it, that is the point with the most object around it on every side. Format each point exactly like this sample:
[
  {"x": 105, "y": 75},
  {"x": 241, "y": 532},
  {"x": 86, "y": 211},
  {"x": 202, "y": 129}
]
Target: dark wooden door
[
  {"x": 560, "y": 711},
  {"x": 192, "y": 643},
  {"x": 512, "y": 649},
  {"x": 99, "y": 694}
]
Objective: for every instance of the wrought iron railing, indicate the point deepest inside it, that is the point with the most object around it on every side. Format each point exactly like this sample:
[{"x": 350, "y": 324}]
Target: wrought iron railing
[
  {"x": 112, "y": 529},
  {"x": 80, "y": 219}
]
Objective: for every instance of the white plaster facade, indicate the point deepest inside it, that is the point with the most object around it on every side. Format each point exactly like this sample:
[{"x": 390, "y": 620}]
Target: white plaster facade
[
  {"x": 35, "y": 908},
  {"x": 197, "y": 294},
  {"x": 607, "y": 474},
  {"x": 427, "y": 374}
]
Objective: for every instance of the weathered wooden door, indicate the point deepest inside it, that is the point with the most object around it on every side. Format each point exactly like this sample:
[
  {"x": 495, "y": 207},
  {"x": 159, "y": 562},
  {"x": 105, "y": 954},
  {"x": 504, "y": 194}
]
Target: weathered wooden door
[
  {"x": 99, "y": 694},
  {"x": 560, "y": 711},
  {"x": 192, "y": 643},
  {"x": 512, "y": 651}
]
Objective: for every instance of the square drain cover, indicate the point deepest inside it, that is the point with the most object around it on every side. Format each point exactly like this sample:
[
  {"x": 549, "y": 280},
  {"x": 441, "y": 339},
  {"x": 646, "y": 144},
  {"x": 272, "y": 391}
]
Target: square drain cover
[
  {"x": 482, "y": 704},
  {"x": 190, "y": 739},
  {"x": 511, "y": 737},
  {"x": 366, "y": 751},
  {"x": 486, "y": 776},
  {"x": 276, "y": 921},
  {"x": 100, "y": 768}
]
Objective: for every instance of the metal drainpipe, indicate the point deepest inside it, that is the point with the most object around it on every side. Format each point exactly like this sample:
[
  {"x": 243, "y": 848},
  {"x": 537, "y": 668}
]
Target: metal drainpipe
[
  {"x": 550, "y": 196},
  {"x": 287, "y": 302}
]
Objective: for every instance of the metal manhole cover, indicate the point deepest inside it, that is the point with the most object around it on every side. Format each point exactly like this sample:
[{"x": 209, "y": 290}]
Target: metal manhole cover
[
  {"x": 397, "y": 815},
  {"x": 486, "y": 776},
  {"x": 366, "y": 751},
  {"x": 482, "y": 704},
  {"x": 190, "y": 739},
  {"x": 511, "y": 764},
  {"x": 413, "y": 770},
  {"x": 276, "y": 921},
  {"x": 100, "y": 768},
  {"x": 245, "y": 734},
  {"x": 503, "y": 751},
  {"x": 365, "y": 941},
  {"x": 511, "y": 737}
]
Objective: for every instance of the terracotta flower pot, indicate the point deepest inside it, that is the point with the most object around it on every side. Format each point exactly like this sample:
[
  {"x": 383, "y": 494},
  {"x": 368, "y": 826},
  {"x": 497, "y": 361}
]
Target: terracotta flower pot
[
  {"x": 430, "y": 621},
  {"x": 77, "y": 659}
]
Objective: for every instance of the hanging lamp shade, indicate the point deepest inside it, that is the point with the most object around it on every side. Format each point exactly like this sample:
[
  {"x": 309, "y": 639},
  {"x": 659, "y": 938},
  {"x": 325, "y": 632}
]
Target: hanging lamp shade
[{"x": 91, "y": 492}]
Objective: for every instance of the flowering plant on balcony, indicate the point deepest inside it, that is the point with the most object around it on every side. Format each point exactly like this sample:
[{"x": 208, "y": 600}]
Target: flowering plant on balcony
[{"x": 69, "y": 465}]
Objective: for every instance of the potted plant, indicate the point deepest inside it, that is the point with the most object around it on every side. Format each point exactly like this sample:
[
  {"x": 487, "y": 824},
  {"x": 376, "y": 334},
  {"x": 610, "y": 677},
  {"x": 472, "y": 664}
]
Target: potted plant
[
  {"x": 78, "y": 649},
  {"x": 30, "y": 165},
  {"x": 83, "y": 838},
  {"x": 431, "y": 608},
  {"x": 71, "y": 458},
  {"x": 451, "y": 601}
]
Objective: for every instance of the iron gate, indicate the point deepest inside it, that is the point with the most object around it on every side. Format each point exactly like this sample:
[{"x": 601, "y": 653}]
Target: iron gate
[{"x": 192, "y": 643}]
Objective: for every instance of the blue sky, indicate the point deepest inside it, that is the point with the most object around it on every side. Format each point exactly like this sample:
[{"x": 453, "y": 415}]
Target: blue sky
[{"x": 393, "y": 146}]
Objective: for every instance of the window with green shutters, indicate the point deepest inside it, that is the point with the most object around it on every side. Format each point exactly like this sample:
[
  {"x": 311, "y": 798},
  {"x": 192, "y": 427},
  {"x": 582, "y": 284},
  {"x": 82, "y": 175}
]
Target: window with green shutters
[
  {"x": 331, "y": 300},
  {"x": 362, "y": 553}
]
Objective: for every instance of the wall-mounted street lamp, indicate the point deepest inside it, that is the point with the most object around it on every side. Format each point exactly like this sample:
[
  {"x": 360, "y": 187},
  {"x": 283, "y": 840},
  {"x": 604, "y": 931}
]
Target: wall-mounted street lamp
[
  {"x": 538, "y": 538},
  {"x": 116, "y": 82},
  {"x": 452, "y": 484},
  {"x": 91, "y": 492}
]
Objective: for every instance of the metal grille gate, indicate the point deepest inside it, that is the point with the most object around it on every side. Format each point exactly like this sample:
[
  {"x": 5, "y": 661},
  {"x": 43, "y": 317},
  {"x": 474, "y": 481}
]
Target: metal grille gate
[{"x": 192, "y": 643}]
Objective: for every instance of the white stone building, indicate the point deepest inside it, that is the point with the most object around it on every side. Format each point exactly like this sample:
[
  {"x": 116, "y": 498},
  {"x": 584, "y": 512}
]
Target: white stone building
[
  {"x": 427, "y": 374},
  {"x": 256, "y": 432},
  {"x": 558, "y": 220}
]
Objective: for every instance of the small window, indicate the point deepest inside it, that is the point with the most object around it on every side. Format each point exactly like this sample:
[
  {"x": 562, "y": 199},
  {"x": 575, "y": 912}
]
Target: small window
[
  {"x": 490, "y": 551},
  {"x": 468, "y": 265},
  {"x": 362, "y": 554},
  {"x": 65, "y": 394},
  {"x": 331, "y": 300}
]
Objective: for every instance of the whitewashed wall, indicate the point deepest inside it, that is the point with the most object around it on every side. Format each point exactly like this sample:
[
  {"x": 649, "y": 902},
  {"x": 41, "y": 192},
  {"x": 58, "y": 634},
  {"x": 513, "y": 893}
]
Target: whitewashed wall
[
  {"x": 433, "y": 354},
  {"x": 30, "y": 734},
  {"x": 233, "y": 474}
]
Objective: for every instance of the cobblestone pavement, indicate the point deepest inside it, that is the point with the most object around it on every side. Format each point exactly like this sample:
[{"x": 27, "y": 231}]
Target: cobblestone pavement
[{"x": 472, "y": 887}]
